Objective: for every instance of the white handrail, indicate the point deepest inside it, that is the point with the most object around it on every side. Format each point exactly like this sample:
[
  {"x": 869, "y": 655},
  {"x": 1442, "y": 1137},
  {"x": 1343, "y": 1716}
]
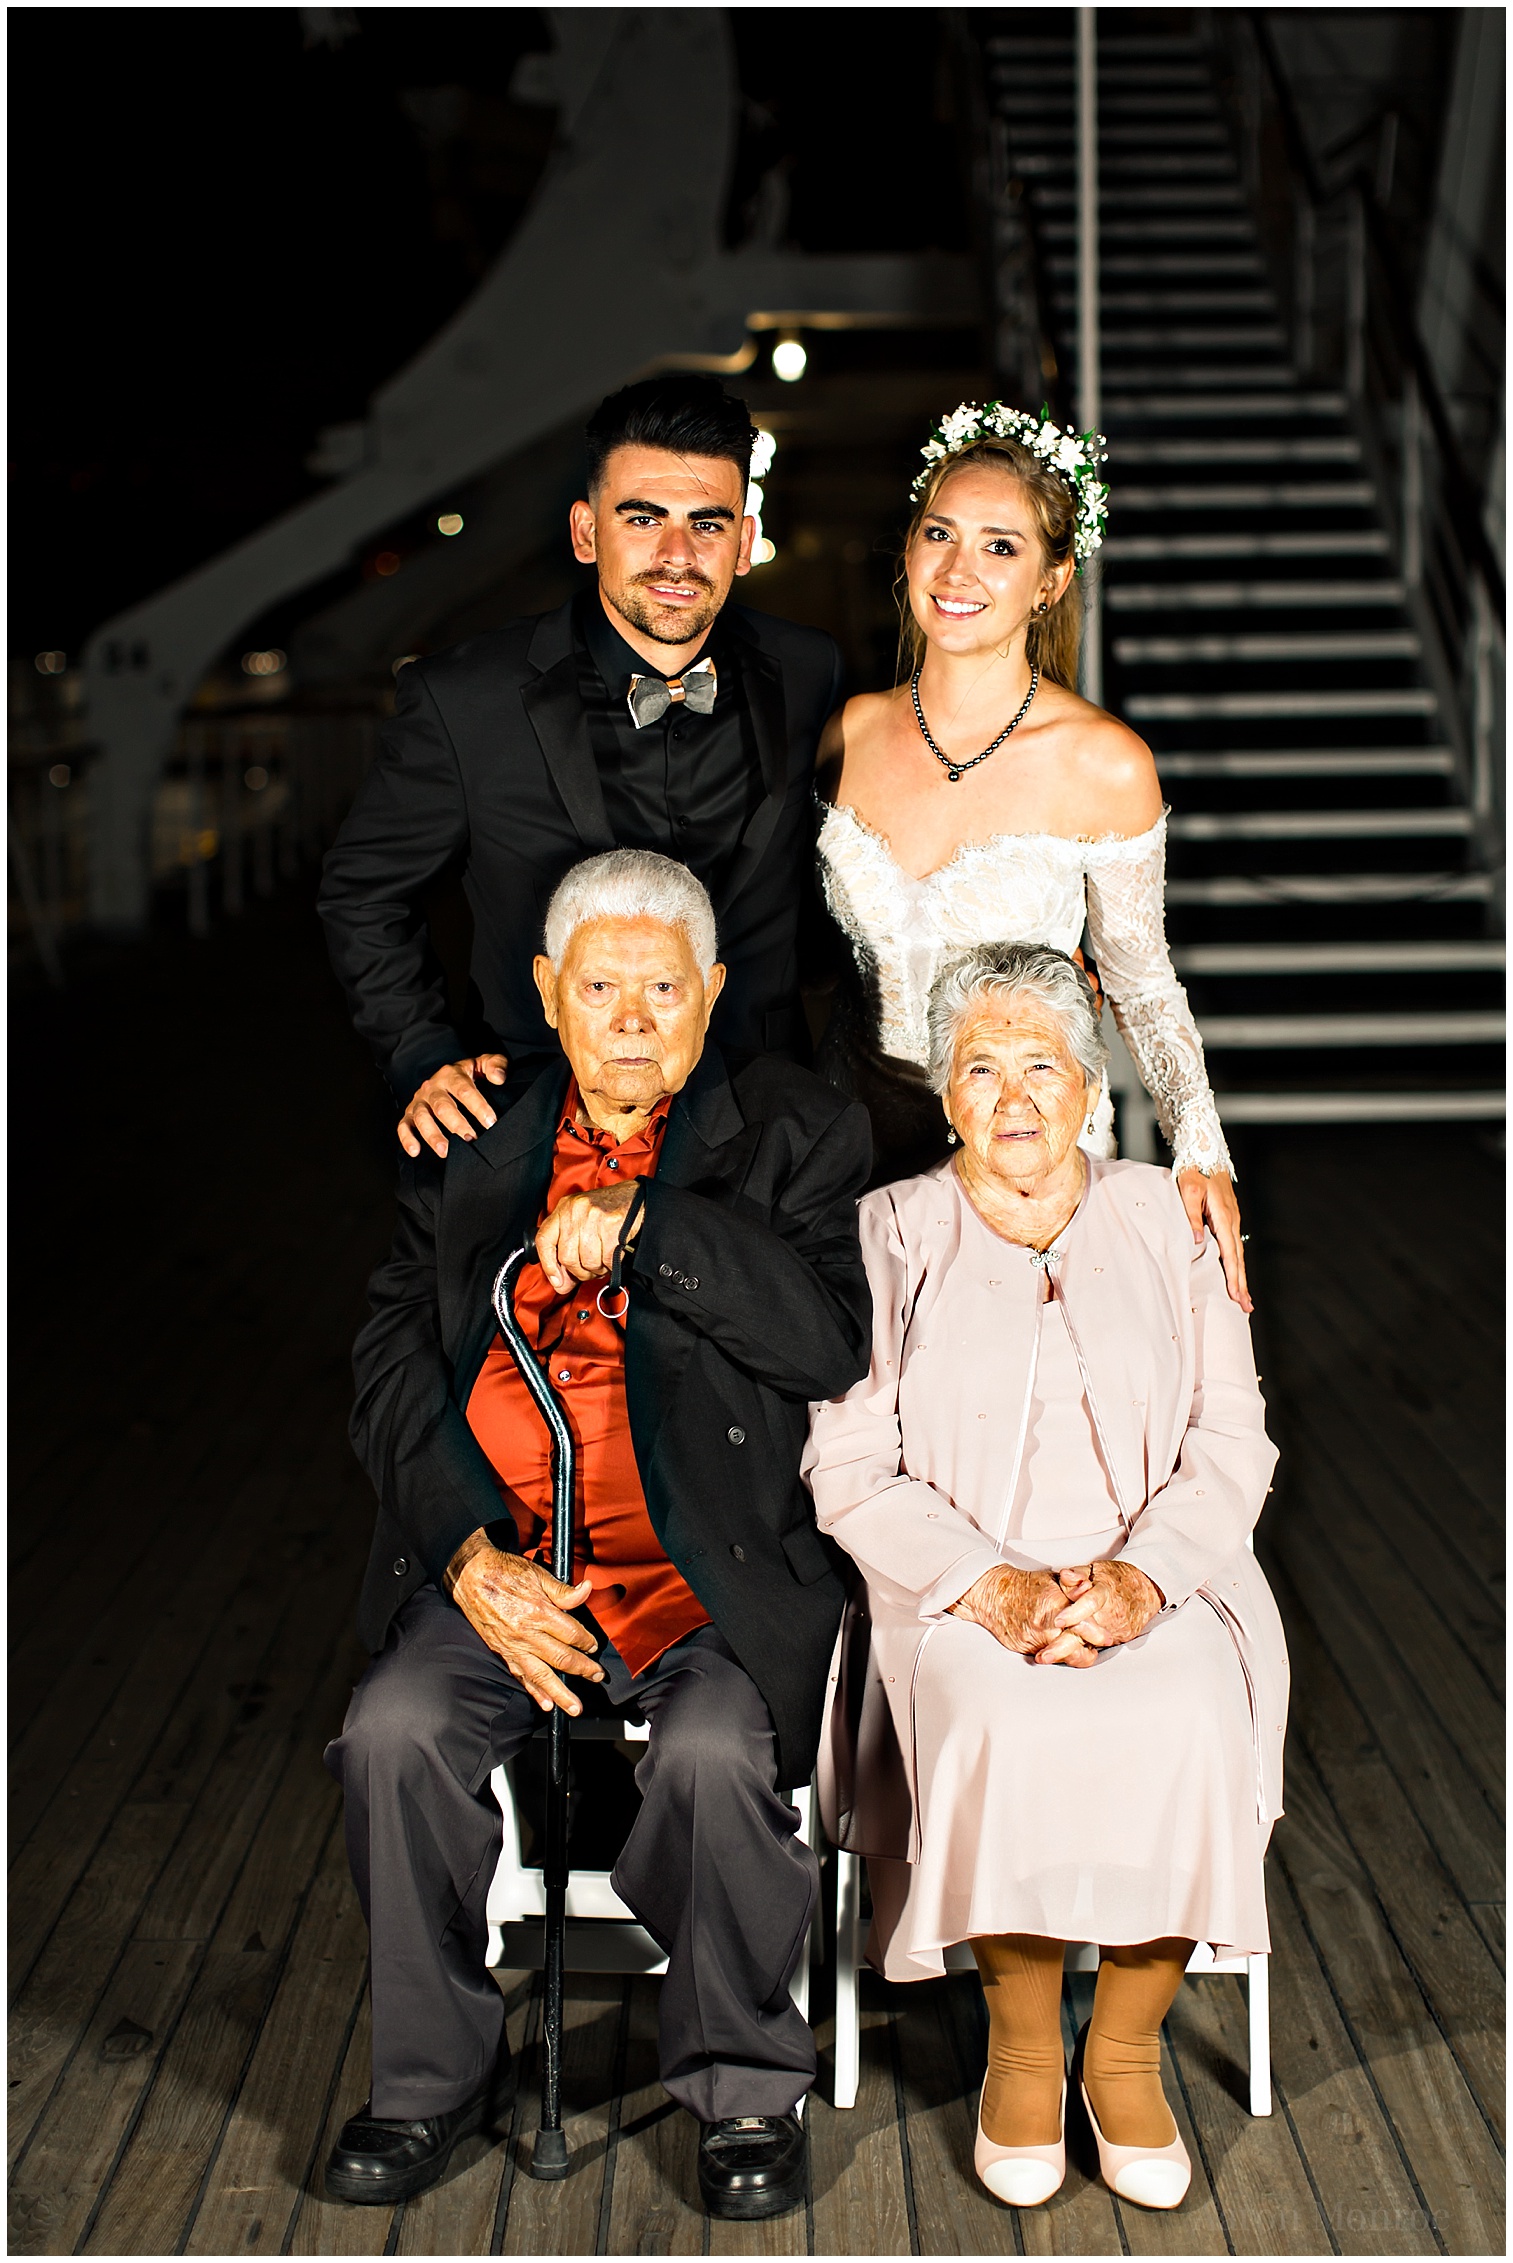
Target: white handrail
[{"x": 1089, "y": 344}]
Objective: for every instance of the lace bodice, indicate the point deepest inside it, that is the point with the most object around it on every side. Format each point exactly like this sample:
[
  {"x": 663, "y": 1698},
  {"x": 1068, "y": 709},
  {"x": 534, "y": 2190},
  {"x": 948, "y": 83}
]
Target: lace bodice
[{"x": 1031, "y": 888}]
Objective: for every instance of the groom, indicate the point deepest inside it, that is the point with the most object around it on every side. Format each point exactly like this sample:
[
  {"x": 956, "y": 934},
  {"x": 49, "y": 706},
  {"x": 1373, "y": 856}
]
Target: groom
[{"x": 646, "y": 713}]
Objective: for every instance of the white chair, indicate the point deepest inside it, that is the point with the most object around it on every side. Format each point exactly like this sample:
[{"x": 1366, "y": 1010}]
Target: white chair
[
  {"x": 603, "y": 1935},
  {"x": 1081, "y": 1956}
]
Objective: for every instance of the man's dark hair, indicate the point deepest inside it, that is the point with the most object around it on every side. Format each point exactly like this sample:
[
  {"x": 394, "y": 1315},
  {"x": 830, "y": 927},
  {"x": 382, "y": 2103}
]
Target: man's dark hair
[{"x": 686, "y": 413}]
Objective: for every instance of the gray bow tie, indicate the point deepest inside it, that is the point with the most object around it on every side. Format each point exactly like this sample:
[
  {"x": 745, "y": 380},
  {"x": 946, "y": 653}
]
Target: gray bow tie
[{"x": 650, "y": 697}]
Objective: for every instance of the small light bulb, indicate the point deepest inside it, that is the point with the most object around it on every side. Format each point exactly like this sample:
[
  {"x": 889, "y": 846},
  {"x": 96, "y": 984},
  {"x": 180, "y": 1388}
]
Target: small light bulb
[
  {"x": 450, "y": 522},
  {"x": 789, "y": 360}
]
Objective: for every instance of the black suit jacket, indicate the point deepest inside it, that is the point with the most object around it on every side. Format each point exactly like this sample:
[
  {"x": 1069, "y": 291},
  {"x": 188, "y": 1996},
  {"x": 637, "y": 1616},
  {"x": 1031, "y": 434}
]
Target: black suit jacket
[
  {"x": 487, "y": 769},
  {"x": 748, "y": 1299}
]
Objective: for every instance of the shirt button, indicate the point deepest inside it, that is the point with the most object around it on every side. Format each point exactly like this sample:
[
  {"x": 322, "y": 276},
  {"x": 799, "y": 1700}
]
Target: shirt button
[
  {"x": 736, "y": 1435},
  {"x": 401, "y": 1566},
  {"x": 583, "y": 1315},
  {"x": 614, "y": 1166},
  {"x": 564, "y": 1375},
  {"x": 738, "y": 1551}
]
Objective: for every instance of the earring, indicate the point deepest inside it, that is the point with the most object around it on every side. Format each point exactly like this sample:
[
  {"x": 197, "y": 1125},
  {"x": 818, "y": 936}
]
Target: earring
[
  {"x": 1044, "y": 607},
  {"x": 950, "y": 1135}
]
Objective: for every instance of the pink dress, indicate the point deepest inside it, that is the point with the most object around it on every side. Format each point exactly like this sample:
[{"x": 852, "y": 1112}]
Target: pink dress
[{"x": 1045, "y": 1416}]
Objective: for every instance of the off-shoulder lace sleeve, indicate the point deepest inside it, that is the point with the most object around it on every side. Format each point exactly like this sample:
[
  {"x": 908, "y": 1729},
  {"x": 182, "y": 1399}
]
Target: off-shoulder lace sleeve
[{"x": 1126, "y": 916}]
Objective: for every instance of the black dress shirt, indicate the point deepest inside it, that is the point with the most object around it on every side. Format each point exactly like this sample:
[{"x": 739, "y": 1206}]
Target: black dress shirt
[
  {"x": 686, "y": 785},
  {"x": 489, "y": 770}
]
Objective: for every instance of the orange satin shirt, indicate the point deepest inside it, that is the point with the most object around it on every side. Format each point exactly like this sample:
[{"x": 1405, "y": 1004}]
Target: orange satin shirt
[{"x": 639, "y": 1597}]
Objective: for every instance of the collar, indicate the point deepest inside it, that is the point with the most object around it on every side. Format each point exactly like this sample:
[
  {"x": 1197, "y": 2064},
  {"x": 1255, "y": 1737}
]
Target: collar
[{"x": 591, "y": 1135}]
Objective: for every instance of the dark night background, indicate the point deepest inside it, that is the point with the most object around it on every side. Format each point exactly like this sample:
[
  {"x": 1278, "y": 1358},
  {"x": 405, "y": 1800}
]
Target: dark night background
[{"x": 234, "y": 229}]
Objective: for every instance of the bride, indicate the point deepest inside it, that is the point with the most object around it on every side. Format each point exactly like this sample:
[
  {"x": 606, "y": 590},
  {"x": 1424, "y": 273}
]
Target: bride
[{"x": 985, "y": 801}]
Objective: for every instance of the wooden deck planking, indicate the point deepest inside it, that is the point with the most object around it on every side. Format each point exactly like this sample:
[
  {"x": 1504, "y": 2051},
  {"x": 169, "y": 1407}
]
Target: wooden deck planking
[{"x": 178, "y": 2086}]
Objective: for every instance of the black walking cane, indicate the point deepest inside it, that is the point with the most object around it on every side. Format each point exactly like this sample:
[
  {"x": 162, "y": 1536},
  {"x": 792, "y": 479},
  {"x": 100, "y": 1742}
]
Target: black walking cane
[{"x": 549, "y": 2158}]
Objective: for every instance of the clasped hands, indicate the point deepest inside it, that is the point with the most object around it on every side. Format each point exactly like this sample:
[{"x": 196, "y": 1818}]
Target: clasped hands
[{"x": 1062, "y": 1618}]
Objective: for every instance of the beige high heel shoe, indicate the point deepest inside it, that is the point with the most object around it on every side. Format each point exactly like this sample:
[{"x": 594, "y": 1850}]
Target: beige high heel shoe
[
  {"x": 1022, "y": 2176},
  {"x": 1153, "y": 2176}
]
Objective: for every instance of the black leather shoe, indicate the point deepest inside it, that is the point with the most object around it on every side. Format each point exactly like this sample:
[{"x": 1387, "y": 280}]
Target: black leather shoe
[
  {"x": 378, "y": 2163},
  {"x": 752, "y": 2166}
]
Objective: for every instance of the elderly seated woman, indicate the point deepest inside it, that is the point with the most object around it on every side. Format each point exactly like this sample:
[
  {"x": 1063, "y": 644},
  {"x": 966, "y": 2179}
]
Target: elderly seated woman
[{"x": 1078, "y": 1676}]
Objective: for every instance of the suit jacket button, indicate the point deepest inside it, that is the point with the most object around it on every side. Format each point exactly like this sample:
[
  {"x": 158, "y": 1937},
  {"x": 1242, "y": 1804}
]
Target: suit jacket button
[
  {"x": 401, "y": 1566},
  {"x": 738, "y": 1551},
  {"x": 665, "y": 1271},
  {"x": 736, "y": 1435},
  {"x": 692, "y": 1282}
]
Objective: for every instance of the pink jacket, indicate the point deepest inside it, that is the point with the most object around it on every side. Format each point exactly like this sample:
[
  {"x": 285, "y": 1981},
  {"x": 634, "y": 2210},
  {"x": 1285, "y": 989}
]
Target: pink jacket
[{"x": 913, "y": 1488}]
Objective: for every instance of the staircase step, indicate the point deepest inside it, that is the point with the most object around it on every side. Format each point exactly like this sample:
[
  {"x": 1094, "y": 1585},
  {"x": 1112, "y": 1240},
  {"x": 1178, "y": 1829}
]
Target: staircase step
[
  {"x": 1247, "y": 596},
  {"x": 1336, "y": 542},
  {"x": 1313, "y": 762},
  {"x": 1339, "y": 958},
  {"x": 1153, "y": 230},
  {"x": 1190, "y": 405},
  {"x": 1318, "y": 824},
  {"x": 1232, "y": 889},
  {"x": 1174, "y": 706},
  {"x": 1285, "y": 1032},
  {"x": 1361, "y": 1107},
  {"x": 1167, "y": 263},
  {"x": 1322, "y": 448},
  {"x": 1306, "y": 644},
  {"x": 1183, "y": 302},
  {"x": 1212, "y": 338},
  {"x": 1212, "y": 196},
  {"x": 1195, "y": 374},
  {"x": 1284, "y": 495}
]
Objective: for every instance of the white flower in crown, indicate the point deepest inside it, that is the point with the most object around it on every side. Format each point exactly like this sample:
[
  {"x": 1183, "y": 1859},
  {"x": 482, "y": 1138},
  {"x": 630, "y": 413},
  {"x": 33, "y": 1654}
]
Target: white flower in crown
[{"x": 1073, "y": 455}]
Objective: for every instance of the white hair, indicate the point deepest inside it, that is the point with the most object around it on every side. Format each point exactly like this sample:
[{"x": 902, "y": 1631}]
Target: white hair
[
  {"x": 1004, "y": 970},
  {"x": 631, "y": 884}
]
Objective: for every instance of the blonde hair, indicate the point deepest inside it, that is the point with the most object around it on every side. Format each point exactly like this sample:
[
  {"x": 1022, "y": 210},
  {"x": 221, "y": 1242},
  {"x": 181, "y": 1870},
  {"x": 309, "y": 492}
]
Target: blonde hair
[{"x": 1051, "y": 640}]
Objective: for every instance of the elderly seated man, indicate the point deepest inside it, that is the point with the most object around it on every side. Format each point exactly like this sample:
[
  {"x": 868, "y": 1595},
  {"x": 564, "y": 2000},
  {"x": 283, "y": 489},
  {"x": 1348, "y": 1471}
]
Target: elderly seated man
[{"x": 705, "y": 1599}]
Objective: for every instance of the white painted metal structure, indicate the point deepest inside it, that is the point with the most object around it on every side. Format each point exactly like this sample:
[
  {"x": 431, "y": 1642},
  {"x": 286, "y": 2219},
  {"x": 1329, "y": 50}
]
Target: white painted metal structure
[
  {"x": 1089, "y": 347},
  {"x": 618, "y": 267}
]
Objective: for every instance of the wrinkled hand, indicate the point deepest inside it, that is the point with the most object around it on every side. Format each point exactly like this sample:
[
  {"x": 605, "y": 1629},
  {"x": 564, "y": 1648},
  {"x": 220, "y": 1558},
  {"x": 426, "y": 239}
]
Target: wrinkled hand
[
  {"x": 1018, "y": 1607},
  {"x": 1215, "y": 1197},
  {"x": 521, "y": 1612},
  {"x": 436, "y": 1108},
  {"x": 1110, "y": 1602},
  {"x": 577, "y": 1242}
]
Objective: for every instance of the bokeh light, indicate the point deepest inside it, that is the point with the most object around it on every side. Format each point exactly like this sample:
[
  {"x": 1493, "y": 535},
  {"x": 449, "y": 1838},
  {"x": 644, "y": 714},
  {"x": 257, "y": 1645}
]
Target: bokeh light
[
  {"x": 272, "y": 663},
  {"x": 450, "y": 522},
  {"x": 789, "y": 360}
]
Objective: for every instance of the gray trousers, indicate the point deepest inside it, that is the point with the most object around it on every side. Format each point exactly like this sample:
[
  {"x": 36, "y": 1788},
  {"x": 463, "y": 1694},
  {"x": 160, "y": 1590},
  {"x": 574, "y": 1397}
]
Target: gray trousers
[{"x": 712, "y": 1867}]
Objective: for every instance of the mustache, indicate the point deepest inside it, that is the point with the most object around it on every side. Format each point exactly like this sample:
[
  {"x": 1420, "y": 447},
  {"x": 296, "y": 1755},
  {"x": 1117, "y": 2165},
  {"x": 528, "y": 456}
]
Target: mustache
[{"x": 689, "y": 580}]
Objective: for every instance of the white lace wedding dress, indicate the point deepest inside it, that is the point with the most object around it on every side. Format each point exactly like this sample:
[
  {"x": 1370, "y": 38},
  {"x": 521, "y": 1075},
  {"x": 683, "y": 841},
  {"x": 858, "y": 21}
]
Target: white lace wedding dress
[{"x": 1019, "y": 888}]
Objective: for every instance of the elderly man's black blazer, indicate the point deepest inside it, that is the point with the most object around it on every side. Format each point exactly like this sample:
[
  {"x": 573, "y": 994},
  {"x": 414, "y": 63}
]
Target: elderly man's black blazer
[
  {"x": 748, "y": 1299},
  {"x": 488, "y": 770}
]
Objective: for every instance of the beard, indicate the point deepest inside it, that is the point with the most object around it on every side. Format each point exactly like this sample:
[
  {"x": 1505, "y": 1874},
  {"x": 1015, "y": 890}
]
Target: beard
[{"x": 665, "y": 624}]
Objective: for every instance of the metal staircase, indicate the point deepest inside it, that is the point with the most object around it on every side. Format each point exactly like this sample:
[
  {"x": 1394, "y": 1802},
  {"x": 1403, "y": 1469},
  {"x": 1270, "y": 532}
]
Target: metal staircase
[{"x": 1330, "y": 903}]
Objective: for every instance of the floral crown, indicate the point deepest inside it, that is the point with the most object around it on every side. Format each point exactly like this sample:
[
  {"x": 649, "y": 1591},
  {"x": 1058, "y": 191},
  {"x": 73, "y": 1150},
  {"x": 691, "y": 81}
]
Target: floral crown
[{"x": 1075, "y": 455}]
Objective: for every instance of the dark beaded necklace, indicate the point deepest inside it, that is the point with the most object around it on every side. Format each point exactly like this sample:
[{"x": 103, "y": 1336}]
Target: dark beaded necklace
[{"x": 955, "y": 770}]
